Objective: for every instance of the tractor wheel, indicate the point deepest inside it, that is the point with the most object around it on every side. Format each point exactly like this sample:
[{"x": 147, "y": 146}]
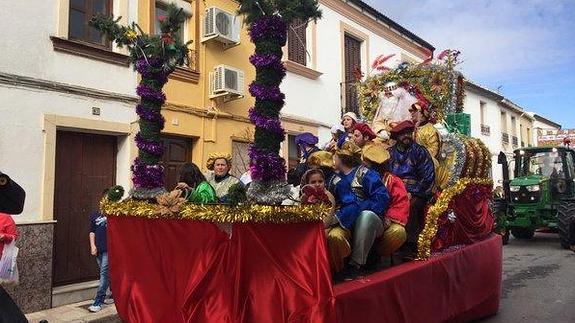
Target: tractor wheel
[
  {"x": 565, "y": 215},
  {"x": 523, "y": 233}
]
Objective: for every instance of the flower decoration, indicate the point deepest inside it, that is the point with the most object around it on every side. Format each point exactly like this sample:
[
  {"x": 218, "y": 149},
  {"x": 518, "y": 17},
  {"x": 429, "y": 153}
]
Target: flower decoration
[
  {"x": 169, "y": 203},
  {"x": 438, "y": 82}
]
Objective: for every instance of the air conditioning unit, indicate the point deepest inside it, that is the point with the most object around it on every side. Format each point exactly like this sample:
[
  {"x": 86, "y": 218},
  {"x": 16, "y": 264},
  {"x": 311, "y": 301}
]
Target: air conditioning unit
[
  {"x": 221, "y": 26},
  {"x": 226, "y": 81}
]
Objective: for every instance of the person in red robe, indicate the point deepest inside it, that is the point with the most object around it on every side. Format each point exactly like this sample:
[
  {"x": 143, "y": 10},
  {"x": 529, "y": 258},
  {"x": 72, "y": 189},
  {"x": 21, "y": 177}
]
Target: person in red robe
[{"x": 374, "y": 156}]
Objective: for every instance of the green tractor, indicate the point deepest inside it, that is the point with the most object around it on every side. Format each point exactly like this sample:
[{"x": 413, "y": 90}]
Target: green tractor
[{"x": 541, "y": 194}]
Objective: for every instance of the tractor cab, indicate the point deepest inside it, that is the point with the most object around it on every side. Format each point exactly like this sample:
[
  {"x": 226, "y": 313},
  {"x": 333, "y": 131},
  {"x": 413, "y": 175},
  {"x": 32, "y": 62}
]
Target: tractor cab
[{"x": 542, "y": 192}]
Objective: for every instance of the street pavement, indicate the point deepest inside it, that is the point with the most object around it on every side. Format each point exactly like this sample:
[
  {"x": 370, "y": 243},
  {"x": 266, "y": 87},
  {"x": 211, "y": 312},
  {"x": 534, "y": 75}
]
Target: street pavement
[{"x": 538, "y": 282}]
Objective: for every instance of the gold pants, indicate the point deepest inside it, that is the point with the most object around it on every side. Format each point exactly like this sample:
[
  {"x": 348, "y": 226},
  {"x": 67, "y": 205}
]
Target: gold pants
[
  {"x": 338, "y": 247},
  {"x": 393, "y": 238}
]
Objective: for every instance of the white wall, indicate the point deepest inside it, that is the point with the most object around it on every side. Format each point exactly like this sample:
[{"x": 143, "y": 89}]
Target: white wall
[
  {"x": 27, "y": 49},
  {"x": 22, "y": 137},
  {"x": 492, "y": 118},
  {"x": 320, "y": 99}
]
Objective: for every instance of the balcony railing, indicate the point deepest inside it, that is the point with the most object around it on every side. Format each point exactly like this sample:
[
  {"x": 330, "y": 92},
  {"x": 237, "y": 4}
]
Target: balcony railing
[
  {"x": 515, "y": 141},
  {"x": 485, "y": 130},
  {"x": 505, "y": 138}
]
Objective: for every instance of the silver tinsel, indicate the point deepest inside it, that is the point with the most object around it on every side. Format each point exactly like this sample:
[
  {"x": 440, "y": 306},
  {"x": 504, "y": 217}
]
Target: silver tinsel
[
  {"x": 146, "y": 194},
  {"x": 452, "y": 145},
  {"x": 268, "y": 193}
]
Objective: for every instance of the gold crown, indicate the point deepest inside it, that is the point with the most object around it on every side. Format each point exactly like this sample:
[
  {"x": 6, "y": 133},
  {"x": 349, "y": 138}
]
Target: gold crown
[
  {"x": 321, "y": 159},
  {"x": 349, "y": 148},
  {"x": 215, "y": 156},
  {"x": 375, "y": 153}
]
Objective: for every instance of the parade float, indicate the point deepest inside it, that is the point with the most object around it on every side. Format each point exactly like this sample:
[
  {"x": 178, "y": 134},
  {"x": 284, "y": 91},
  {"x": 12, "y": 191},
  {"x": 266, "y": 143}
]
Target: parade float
[{"x": 254, "y": 260}]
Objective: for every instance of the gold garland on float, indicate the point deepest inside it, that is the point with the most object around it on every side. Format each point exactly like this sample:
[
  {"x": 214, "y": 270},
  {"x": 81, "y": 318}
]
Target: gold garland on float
[
  {"x": 219, "y": 213},
  {"x": 439, "y": 208}
]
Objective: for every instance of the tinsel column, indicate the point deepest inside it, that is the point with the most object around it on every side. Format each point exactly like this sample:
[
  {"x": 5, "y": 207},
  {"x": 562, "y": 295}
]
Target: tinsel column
[
  {"x": 147, "y": 172},
  {"x": 154, "y": 57},
  {"x": 269, "y": 35},
  {"x": 267, "y": 22}
]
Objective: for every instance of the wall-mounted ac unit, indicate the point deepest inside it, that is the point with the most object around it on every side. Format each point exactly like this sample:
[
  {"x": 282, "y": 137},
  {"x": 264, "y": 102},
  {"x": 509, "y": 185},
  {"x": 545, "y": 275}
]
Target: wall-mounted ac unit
[
  {"x": 221, "y": 26},
  {"x": 226, "y": 81}
]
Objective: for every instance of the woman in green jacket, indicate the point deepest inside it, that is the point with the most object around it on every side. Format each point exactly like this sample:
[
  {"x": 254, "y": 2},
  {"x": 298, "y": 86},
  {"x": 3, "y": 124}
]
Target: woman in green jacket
[{"x": 194, "y": 185}]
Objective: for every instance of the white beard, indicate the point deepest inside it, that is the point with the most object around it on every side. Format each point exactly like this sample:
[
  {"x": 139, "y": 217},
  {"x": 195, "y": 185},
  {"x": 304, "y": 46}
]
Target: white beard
[{"x": 395, "y": 108}]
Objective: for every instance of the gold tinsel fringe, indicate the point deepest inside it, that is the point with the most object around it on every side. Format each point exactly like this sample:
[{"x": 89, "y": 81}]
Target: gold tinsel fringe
[
  {"x": 440, "y": 207},
  {"x": 220, "y": 213}
]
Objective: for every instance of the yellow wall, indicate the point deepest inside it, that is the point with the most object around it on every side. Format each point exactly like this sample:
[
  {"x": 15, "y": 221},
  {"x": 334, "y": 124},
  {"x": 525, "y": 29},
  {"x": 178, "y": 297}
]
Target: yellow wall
[
  {"x": 189, "y": 111},
  {"x": 526, "y": 136}
]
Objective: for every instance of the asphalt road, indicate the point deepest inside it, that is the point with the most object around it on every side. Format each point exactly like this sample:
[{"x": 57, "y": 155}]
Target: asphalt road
[{"x": 538, "y": 282}]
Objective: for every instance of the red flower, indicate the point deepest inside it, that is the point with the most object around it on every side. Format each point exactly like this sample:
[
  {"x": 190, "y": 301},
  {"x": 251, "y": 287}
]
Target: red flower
[
  {"x": 357, "y": 73},
  {"x": 167, "y": 39},
  {"x": 162, "y": 19}
]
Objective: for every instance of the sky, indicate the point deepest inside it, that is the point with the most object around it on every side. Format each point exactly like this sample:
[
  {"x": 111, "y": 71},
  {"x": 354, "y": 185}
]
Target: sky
[{"x": 526, "y": 48}]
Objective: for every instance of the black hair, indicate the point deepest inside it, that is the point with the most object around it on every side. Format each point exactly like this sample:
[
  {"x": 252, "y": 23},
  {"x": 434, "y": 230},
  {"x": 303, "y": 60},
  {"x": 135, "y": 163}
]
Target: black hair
[
  {"x": 105, "y": 191},
  {"x": 191, "y": 174},
  {"x": 349, "y": 161},
  {"x": 305, "y": 178}
]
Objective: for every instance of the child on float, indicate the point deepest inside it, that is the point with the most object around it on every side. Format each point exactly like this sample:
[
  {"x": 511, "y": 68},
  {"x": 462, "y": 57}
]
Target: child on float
[
  {"x": 194, "y": 185},
  {"x": 338, "y": 137},
  {"x": 323, "y": 160},
  {"x": 375, "y": 156},
  {"x": 314, "y": 192},
  {"x": 348, "y": 121}
]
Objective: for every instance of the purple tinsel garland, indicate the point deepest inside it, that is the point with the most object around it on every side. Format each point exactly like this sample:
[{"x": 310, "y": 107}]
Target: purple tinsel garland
[
  {"x": 264, "y": 60},
  {"x": 151, "y": 147},
  {"x": 266, "y": 166},
  {"x": 150, "y": 94},
  {"x": 269, "y": 27},
  {"x": 270, "y": 124},
  {"x": 262, "y": 92},
  {"x": 152, "y": 68},
  {"x": 149, "y": 115},
  {"x": 147, "y": 176}
]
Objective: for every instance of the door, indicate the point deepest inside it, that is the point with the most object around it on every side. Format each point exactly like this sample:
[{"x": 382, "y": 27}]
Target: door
[
  {"x": 85, "y": 166},
  {"x": 352, "y": 51},
  {"x": 177, "y": 151}
]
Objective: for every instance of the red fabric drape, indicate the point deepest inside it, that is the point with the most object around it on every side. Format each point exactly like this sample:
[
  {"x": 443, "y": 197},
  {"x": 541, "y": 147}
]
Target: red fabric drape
[
  {"x": 458, "y": 286},
  {"x": 188, "y": 271},
  {"x": 474, "y": 220}
]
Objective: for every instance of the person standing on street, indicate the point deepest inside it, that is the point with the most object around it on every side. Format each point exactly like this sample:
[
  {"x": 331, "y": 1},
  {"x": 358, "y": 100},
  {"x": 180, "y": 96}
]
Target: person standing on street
[{"x": 98, "y": 248}]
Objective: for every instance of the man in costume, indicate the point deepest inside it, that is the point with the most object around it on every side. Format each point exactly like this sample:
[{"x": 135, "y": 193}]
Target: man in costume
[
  {"x": 393, "y": 109},
  {"x": 427, "y": 136},
  {"x": 306, "y": 143},
  {"x": 362, "y": 199},
  {"x": 362, "y": 134},
  {"x": 219, "y": 176},
  {"x": 375, "y": 156},
  {"x": 413, "y": 164}
]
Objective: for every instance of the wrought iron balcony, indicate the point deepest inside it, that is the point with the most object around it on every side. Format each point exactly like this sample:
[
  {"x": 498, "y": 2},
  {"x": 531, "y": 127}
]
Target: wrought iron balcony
[
  {"x": 505, "y": 138},
  {"x": 515, "y": 141},
  {"x": 485, "y": 130}
]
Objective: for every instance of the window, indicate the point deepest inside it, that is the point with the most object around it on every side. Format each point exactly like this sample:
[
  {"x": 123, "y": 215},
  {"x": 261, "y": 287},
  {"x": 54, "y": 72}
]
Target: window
[
  {"x": 293, "y": 152},
  {"x": 297, "y": 42},
  {"x": 161, "y": 11},
  {"x": 514, "y": 126},
  {"x": 504, "y": 121},
  {"x": 240, "y": 158},
  {"x": 482, "y": 112},
  {"x": 352, "y": 52},
  {"x": 81, "y": 11}
]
